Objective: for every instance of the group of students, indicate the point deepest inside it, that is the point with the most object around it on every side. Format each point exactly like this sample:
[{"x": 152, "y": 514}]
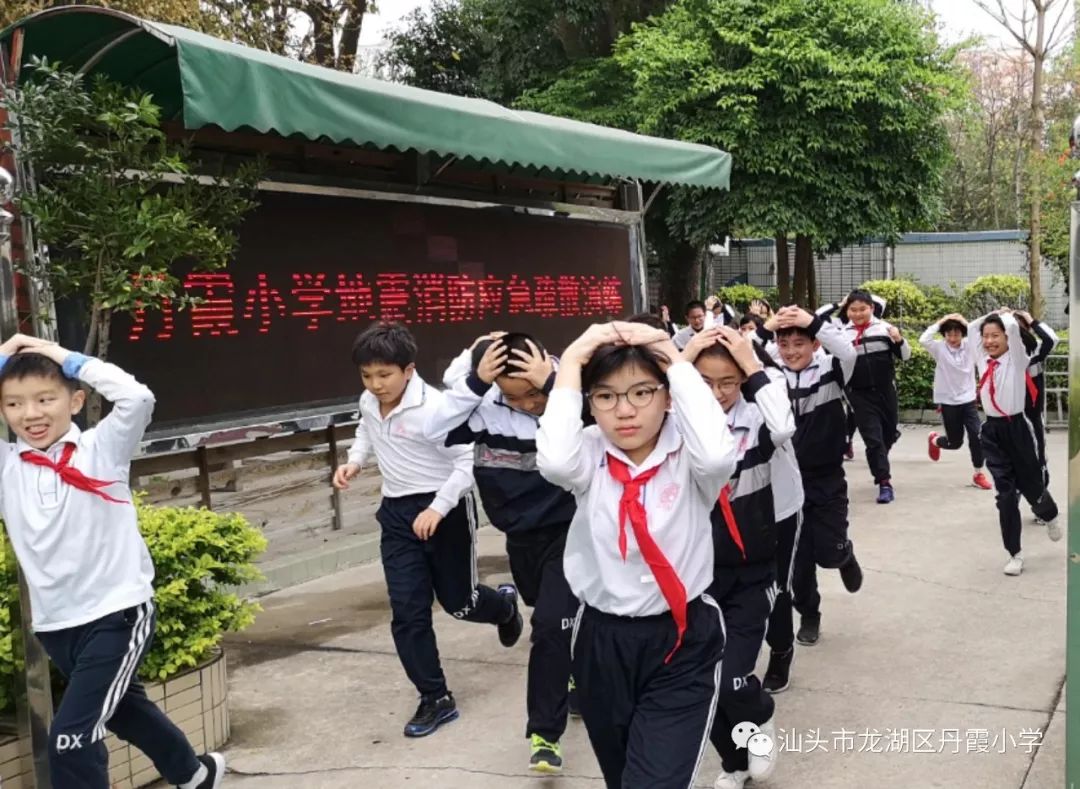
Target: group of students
[
  {"x": 665, "y": 508},
  {"x": 667, "y": 498}
]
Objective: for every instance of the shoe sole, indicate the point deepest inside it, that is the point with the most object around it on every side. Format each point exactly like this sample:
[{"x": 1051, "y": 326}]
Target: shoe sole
[
  {"x": 445, "y": 718},
  {"x": 781, "y": 689},
  {"x": 808, "y": 643},
  {"x": 543, "y": 768}
]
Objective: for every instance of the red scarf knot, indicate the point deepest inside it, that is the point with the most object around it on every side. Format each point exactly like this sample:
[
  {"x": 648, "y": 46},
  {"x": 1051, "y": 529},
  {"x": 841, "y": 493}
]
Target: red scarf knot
[
  {"x": 988, "y": 376},
  {"x": 631, "y": 508},
  {"x": 70, "y": 474}
]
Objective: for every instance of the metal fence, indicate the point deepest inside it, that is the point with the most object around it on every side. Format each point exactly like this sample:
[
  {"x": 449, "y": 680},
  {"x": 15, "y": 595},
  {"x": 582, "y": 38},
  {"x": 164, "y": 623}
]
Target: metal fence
[
  {"x": 1056, "y": 409},
  {"x": 948, "y": 260}
]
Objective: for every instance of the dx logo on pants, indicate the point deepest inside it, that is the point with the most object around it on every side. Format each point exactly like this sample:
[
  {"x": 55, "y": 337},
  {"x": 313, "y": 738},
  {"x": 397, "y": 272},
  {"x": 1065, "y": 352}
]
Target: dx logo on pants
[{"x": 68, "y": 742}]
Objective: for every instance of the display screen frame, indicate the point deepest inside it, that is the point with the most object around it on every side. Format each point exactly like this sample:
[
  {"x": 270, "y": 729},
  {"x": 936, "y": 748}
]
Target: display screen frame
[{"x": 423, "y": 220}]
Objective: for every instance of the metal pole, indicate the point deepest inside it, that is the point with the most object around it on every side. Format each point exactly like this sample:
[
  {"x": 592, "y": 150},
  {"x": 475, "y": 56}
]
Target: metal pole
[{"x": 35, "y": 708}]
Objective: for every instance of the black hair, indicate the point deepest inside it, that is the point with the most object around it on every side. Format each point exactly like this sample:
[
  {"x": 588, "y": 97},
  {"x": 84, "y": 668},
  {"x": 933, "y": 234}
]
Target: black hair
[
  {"x": 750, "y": 318},
  {"x": 609, "y": 359},
  {"x": 719, "y": 349},
  {"x": 862, "y": 295},
  {"x": 28, "y": 364},
  {"x": 385, "y": 342},
  {"x": 512, "y": 341},
  {"x": 993, "y": 320},
  {"x": 953, "y": 325},
  {"x": 648, "y": 319},
  {"x": 693, "y": 305},
  {"x": 792, "y": 331}
]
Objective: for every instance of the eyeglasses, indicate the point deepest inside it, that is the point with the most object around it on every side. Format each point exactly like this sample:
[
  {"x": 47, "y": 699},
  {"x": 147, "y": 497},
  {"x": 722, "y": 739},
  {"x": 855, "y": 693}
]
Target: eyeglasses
[{"x": 638, "y": 396}]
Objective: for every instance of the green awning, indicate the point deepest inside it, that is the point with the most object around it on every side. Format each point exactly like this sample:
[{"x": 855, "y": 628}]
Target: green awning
[{"x": 204, "y": 81}]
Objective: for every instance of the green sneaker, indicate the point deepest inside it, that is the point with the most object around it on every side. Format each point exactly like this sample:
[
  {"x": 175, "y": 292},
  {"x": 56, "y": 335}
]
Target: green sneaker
[{"x": 546, "y": 756}]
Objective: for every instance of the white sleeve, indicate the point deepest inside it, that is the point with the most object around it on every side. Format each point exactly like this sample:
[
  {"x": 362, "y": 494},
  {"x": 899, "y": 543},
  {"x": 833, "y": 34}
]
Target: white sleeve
[
  {"x": 459, "y": 368},
  {"x": 459, "y": 481},
  {"x": 974, "y": 338},
  {"x": 770, "y": 395},
  {"x": 117, "y": 436},
  {"x": 927, "y": 341},
  {"x": 835, "y": 342},
  {"x": 455, "y": 408},
  {"x": 362, "y": 451},
  {"x": 564, "y": 455},
  {"x": 706, "y": 437},
  {"x": 1017, "y": 350}
]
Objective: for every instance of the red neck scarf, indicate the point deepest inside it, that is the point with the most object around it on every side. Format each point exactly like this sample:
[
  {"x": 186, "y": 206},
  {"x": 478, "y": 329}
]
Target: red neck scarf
[
  {"x": 1033, "y": 390},
  {"x": 859, "y": 331},
  {"x": 630, "y": 507},
  {"x": 725, "y": 503},
  {"x": 991, "y": 366},
  {"x": 70, "y": 474}
]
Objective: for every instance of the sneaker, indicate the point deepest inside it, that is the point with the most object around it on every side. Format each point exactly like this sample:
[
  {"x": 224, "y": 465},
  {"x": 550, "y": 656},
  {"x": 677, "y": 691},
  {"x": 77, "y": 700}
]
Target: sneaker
[
  {"x": 572, "y": 700},
  {"x": 1015, "y": 565},
  {"x": 510, "y": 630},
  {"x": 1053, "y": 530},
  {"x": 849, "y": 451},
  {"x": 430, "y": 715},
  {"x": 809, "y": 630},
  {"x": 763, "y": 762},
  {"x": 215, "y": 771},
  {"x": 851, "y": 574},
  {"x": 778, "y": 674},
  {"x": 735, "y": 780},
  {"x": 885, "y": 494},
  {"x": 980, "y": 481},
  {"x": 934, "y": 449},
  {"x": 546, "y": 756}
]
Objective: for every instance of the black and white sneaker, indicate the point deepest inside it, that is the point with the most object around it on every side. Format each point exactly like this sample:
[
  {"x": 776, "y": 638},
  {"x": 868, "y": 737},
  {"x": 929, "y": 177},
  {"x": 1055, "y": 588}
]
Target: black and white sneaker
[
  {"x": 809, "y": 630},
  {"x": 778, "y": 674},
  {"x": 215, "y": 771},
  {"x": 510, "y": 630}
]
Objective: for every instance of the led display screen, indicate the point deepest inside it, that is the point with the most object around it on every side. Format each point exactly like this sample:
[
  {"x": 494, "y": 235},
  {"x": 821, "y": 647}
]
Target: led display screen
[{"x": 274, "y": 330}]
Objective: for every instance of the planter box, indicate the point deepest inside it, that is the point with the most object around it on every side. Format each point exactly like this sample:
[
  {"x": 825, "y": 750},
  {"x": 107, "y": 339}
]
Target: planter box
[{"x": 196, "y": 701}]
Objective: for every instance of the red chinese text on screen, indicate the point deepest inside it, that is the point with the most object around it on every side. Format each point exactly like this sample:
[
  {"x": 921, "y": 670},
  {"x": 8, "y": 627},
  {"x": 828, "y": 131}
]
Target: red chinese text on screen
[{"x": 225, "y": 309}]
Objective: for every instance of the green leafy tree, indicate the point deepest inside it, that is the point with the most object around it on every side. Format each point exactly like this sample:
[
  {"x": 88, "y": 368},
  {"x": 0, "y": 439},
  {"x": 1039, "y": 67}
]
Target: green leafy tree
[
  {"x": 832, "y": 110},
  {"x": 117, "y": 203},
  {"x": 179, "y": 12}
]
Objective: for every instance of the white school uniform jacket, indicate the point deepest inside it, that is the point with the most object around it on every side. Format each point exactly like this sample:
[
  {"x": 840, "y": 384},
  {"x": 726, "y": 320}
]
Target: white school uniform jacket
[
  {"x": 954, "y": 368},
  {"x": 696, "y": 455},
  {"x": 83, "y": 556},
  {"x": 1010, "y": 381},
  {"x": 409, "y": 463},
  {"x": 788, "y": 496}
]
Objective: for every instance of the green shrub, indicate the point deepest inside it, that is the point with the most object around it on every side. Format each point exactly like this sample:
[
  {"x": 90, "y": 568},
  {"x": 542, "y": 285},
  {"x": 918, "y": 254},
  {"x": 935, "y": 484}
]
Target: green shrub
[
  {"x": 992, "y": 291},
  {"x": 915, "y": 377},
  {"x": 739, "y": 296},
  {"x": 905, "y": 302},
  {"x": 197, "y": 555}
]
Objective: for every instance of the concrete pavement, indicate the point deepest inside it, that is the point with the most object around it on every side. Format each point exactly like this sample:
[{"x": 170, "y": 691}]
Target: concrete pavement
[{"x": 923, "y": 678}]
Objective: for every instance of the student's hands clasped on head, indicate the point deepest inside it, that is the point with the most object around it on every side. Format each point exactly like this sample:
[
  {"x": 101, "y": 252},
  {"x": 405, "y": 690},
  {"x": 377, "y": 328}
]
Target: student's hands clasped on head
[
  {"x": 741, "y": 350},
  {"x": 533, "y": 365}
]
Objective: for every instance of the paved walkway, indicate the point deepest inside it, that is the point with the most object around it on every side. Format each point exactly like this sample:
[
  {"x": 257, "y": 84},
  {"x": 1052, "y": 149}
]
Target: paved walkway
[{"x": 922, "y": 679}]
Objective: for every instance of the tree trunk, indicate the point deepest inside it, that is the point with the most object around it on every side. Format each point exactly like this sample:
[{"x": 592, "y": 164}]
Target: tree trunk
[
  {"x": 811, "y": 282},
  {"x": 322, "y": 31},
  {"x": 803, "y": 259},
  {"x": 350, "y": 35},
  {"x": 679, "y": 278},
  {"x": 783, "y": 271},
  {"x": 1035, "y": 185}
]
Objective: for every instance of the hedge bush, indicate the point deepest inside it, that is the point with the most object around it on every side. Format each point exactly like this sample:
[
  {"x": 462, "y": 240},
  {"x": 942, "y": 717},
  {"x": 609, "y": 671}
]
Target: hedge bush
[
  {"x": 197, "y": 555},
  {"x": 915, "y": 377},
  {"x": 992, "y": 291},
  {"x": 739, "y": 296}
]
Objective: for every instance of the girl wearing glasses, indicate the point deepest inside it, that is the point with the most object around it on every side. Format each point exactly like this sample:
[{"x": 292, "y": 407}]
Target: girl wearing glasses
[
  {"x": 758, "y": 414},
  {"x": 648, "y": 641}
]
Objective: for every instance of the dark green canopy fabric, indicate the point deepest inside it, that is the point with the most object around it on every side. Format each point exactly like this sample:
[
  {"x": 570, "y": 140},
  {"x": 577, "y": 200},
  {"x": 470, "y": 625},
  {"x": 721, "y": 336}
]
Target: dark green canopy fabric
[{"x": 204, "y": 81}]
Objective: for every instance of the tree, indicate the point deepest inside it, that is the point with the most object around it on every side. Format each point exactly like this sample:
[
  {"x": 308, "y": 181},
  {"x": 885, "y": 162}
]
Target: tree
[
  {"x": 179, "y": 12},
  {"x": 832, "y": 110},
  {"x": 1029, "y": 30},
  {"x": 324, "y": 32},
  {"x": 116, "y": 203}
]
